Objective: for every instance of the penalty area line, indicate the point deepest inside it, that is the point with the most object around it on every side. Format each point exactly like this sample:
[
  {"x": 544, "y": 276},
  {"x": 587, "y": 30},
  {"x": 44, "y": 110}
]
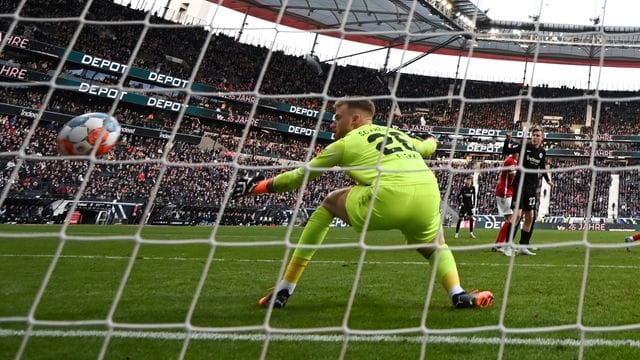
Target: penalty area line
[{"x": 433, "y": 339}]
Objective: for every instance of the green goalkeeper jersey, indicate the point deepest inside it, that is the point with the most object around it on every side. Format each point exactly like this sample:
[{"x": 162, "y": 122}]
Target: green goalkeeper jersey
[{"x": 399, "y": 161}]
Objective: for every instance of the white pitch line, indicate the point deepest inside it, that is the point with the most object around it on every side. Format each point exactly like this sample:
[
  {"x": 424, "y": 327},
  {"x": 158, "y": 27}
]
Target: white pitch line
[
  {"x": 434, "y": 339},
  {"x": 177, "y": 258}
]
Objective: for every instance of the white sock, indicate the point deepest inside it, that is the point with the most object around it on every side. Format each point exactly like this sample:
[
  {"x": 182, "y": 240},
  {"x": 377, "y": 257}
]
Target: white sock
[
  {"x": 457, "y": 289},
  {"x": 286, "y": 285}
]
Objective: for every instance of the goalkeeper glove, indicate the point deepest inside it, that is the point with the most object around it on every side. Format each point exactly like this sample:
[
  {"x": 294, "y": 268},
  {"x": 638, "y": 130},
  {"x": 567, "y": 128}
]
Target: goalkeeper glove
[{"x": 247, "y": 185}]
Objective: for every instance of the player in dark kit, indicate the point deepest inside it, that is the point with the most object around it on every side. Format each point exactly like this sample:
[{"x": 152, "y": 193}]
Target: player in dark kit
[
  {"x": 468, "y": 196},
  {"x": 526, "y": 183}
]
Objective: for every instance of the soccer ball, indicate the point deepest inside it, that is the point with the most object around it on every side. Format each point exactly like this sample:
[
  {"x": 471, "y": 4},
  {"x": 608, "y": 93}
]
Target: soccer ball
[{"x": 82, "y": 133}]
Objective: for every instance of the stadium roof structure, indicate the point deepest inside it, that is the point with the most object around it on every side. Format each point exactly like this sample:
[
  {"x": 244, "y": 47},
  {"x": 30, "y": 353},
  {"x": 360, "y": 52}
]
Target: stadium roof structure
[{"x": 450, "y": 27}]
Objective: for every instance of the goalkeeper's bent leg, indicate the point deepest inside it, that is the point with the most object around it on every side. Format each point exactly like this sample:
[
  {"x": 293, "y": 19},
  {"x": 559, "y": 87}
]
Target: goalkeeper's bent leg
[
  {"x": 447, "y": 274},
  {"x": 446, "y": 270},
  {"x": 313, "y": 234}
]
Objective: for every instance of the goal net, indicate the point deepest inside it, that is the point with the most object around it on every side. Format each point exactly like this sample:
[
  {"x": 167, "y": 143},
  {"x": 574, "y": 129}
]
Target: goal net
[{"x": 144, "y": 253}]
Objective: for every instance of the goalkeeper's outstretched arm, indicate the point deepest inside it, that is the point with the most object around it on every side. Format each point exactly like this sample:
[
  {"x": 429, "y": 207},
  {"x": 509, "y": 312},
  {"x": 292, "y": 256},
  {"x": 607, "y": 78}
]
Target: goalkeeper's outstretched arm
[
  {"x": 291, "y": 180},
  {"x": 331, "y": 156}
]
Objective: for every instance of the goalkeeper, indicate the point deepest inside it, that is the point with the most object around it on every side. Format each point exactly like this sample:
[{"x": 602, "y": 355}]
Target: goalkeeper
[{"x": 391, "y": 170}]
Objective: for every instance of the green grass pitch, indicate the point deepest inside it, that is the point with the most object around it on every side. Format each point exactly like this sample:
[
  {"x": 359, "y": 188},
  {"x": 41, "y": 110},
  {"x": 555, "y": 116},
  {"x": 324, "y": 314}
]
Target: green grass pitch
[{"x": 539, "y": 315}]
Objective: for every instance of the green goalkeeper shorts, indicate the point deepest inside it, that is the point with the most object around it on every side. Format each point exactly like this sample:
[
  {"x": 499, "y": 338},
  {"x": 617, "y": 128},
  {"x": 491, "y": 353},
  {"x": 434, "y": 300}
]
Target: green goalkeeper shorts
[{"x": 412, "y": 209}]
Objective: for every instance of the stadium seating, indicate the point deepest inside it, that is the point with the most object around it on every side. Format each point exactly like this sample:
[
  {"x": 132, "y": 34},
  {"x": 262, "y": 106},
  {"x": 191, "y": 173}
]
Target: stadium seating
[{"x": 40, "y": 182}]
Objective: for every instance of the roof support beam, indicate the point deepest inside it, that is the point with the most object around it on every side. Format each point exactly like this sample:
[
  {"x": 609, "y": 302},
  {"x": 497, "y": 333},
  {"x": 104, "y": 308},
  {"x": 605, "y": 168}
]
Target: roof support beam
[
  {"x": 430, "y": 51},
  {"x": 391, "y": 44}
]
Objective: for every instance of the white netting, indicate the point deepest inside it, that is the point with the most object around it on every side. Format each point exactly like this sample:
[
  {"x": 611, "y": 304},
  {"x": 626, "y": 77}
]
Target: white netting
[{"x": 200, "y": 110}]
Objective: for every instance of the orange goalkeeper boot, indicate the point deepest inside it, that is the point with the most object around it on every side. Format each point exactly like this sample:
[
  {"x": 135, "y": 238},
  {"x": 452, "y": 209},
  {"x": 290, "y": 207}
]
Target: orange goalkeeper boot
[{"x": 475, "y": 298}]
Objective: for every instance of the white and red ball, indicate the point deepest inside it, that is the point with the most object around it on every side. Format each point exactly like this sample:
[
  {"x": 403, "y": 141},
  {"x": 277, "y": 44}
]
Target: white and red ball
[{"x": 84, "y": 132}]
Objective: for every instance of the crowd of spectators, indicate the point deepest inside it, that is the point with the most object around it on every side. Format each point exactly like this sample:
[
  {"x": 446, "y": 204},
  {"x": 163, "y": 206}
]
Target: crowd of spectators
[
  {"x": 126, "y": 182},
  {"x": 570, "y": 195},
  {"x": 488, "y": 173},
  {"x": 451, "y": 175},
  {"x": 241, "y": 65},
  {"x": 629, "y": 194},
  {"x": 230, "y": 66},
  {"x": 209, "y": 181}
]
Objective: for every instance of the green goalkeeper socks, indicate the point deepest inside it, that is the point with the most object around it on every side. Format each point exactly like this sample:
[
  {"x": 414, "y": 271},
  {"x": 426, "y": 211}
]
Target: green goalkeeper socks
[
  {"x": 294, "y": 271},
  {"x": 314, "y": 232},
  {"x": 446, "y": 270}
]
